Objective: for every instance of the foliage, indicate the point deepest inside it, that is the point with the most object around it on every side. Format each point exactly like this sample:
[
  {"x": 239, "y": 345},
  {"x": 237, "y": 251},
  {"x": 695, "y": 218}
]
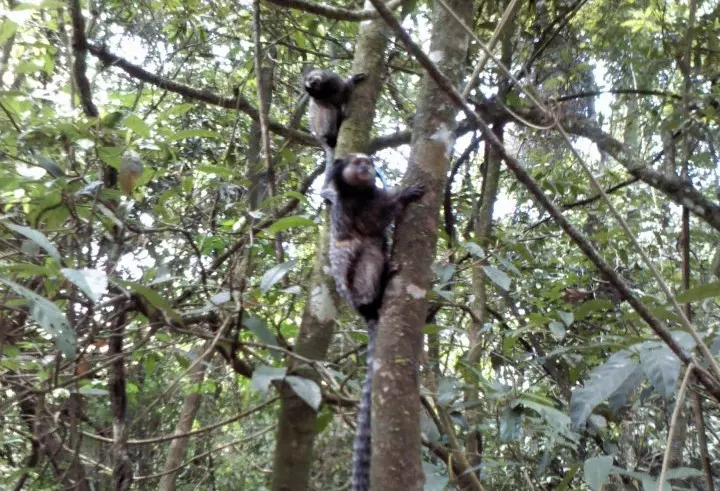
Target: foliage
[{"x": 202, "y": 253}]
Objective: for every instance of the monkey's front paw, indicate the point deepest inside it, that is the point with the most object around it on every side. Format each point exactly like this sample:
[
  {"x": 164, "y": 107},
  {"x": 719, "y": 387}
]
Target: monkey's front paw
[
  {"x": 359, "y": 77},
  {"x": 414, "y": 192}
]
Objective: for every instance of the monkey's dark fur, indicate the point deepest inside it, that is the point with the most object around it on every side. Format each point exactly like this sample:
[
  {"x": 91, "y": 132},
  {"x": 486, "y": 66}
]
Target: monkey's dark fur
[
  {"x": 329, "y": 96},
  {"x": 360, "y": 216}
]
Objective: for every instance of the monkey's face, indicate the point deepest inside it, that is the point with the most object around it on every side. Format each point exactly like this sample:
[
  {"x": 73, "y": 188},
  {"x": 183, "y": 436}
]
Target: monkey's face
[
  {"x": 359, "y": 171},
  {"x": 313, "y": 80}
]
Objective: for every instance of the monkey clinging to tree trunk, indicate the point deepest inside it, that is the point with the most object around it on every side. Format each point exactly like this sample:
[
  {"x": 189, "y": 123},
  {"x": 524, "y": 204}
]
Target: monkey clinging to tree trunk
[
  {"x": 359, "y": 260},
  {"x": 329, "y": 96}
]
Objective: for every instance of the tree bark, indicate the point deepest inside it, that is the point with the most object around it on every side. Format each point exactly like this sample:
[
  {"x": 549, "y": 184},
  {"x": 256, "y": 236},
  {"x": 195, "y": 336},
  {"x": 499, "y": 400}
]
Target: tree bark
[
  {"x": 191, "y": 404},
  {"x": 396, "y": 459},
  {"x": 296, "y": 424}
]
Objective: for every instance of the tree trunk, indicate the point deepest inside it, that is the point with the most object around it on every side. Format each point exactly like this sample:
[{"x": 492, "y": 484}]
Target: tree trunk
[
  {"x": 191, "y": 404},
  {"x": 396, "y": 462},
  {"x": 296, "y": 425}
]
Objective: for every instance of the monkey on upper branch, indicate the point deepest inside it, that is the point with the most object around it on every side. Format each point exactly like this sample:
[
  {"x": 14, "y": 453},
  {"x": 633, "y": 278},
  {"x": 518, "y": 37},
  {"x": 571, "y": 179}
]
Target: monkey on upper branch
[
  {"x": 329, "y": 97},
  {"x": 360, "y": 216}
]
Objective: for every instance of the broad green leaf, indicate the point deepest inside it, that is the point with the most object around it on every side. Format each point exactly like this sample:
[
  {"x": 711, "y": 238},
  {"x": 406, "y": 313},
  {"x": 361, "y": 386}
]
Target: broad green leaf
[
  {"x": 557, "y": 329},
  {"x": 597, "y": 470},
  {"x": 49, "y": 165},
  {"x": 36, "y": 237},
  {"x": 566, "y": 317},
  {"x": 662, "y": 368},
  {"x": 323, "y": 420},
  {"x": 49, "y": 317},
  {"x": 511, "y": 421},
  {"x": 474, "y": 249},
  {"x": 7, "y": 29},
  {"x": 151, "y": 296},
  {"x": 498, "y": 277},
  {"x": 264, "y": 375},
  {"x": 308, "y": 390},
  {"x": 700, "y": 292},
  {"x": 620, "y": 397},
  {"x": 137, "y": 125},
  {"x": 93, "y": 282},
  {"x": 28, "y": 269},
  {"x": 260, "y": 329},
  {"x": 289, "y": 222},
  {"x": 275, "y": 274},
  {"x": 601, "y": 384}
]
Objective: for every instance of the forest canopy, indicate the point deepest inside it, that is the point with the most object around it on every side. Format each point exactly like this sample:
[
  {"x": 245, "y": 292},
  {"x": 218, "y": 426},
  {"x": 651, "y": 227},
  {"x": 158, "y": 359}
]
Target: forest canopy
[{"x": 168, "y": 319}]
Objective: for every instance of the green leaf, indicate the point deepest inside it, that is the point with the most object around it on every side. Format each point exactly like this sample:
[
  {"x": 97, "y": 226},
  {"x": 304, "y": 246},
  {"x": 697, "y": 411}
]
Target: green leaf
[
  {"x": 602, "y": 383},
  {"x": 263, "y": 376},
  {"x": 260, "y": 329},
  {"x": 700, "y": 292},
  {"x": 49, "y": 165},
  {"x": 275, "y": 274},
  {"x": 194, "y": 133},
  {"x": 557, "y": 329},
  {"x": 566, "y": 317},
  {"x": 36, "y": 237},
  {"x": 661, "y": 366},
  {"x": 93, "y": 282},
  {"x": 7, "y": 29},
  {"x": 511, "y": 424},
  {"x": 50, "y": 318},
  {"x": 597, "y": 470},
  {"x": 137, "y": 125},
  {"x": 26, "y": 270},
  {"x": 308, "y": 390},
  {"x": 151, "y": 296},
  {"x": 474, "y": 249},
  {"x": 289, "y": 222},
  {"x": 498, "y": 277}
]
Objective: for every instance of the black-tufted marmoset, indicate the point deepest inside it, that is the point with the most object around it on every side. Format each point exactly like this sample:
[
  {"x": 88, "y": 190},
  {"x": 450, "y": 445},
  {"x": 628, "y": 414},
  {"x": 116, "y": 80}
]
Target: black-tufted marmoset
[
  {"x": 329, "y": 96},
  {"x": 360, "y": 216}
]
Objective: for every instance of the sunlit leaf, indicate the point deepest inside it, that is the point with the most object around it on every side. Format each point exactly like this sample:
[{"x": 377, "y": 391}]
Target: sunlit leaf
[
  {"x": 497, "y": 276},
  {"x": 289, "y": 222},
  {"x": 308, "y": 390},
  {"x": 263, "y": 376},
  {"x": 36, "y": 237},
  {"x": 93, "y": 282},
  {"x": 275, "y": 274},
  {"x": 700, "y": 292},
  {"x": 596, "y": 470},
  {"x": 49, "y": 317}
]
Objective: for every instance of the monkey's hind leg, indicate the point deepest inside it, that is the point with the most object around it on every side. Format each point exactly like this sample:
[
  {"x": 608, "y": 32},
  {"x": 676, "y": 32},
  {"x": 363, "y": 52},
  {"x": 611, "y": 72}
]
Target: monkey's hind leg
[{"x": 366, "y": 283}]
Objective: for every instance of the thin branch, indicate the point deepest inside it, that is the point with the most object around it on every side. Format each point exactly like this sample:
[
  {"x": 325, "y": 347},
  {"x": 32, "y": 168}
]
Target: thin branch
[
  {"x": 335, "y": 13},
  {"x": 208, "y": 97},
  {"x": 679, "y": 403}
]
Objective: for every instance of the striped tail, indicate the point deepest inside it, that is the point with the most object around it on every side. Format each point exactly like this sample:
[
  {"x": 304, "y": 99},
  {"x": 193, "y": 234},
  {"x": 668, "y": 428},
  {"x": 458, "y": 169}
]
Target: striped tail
[{"x": 362, "y": 445}]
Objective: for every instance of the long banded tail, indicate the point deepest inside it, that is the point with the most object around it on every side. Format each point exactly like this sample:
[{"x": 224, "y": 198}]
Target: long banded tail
[{"x": 362, "y": 446}]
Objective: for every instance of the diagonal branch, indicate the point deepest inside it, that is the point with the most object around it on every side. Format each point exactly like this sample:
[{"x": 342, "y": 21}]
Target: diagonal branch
[
  {"x": 239, "y": 103},
  {"x": 522, "y": 175},
  {"x": 335, "y": 13}
]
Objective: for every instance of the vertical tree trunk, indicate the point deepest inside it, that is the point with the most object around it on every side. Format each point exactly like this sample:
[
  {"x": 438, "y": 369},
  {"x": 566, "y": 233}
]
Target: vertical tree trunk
[
  {"x": 191, "y": 404},
  {"x": 296, "y": 424},
  {"x": 396, "y": 462}
]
